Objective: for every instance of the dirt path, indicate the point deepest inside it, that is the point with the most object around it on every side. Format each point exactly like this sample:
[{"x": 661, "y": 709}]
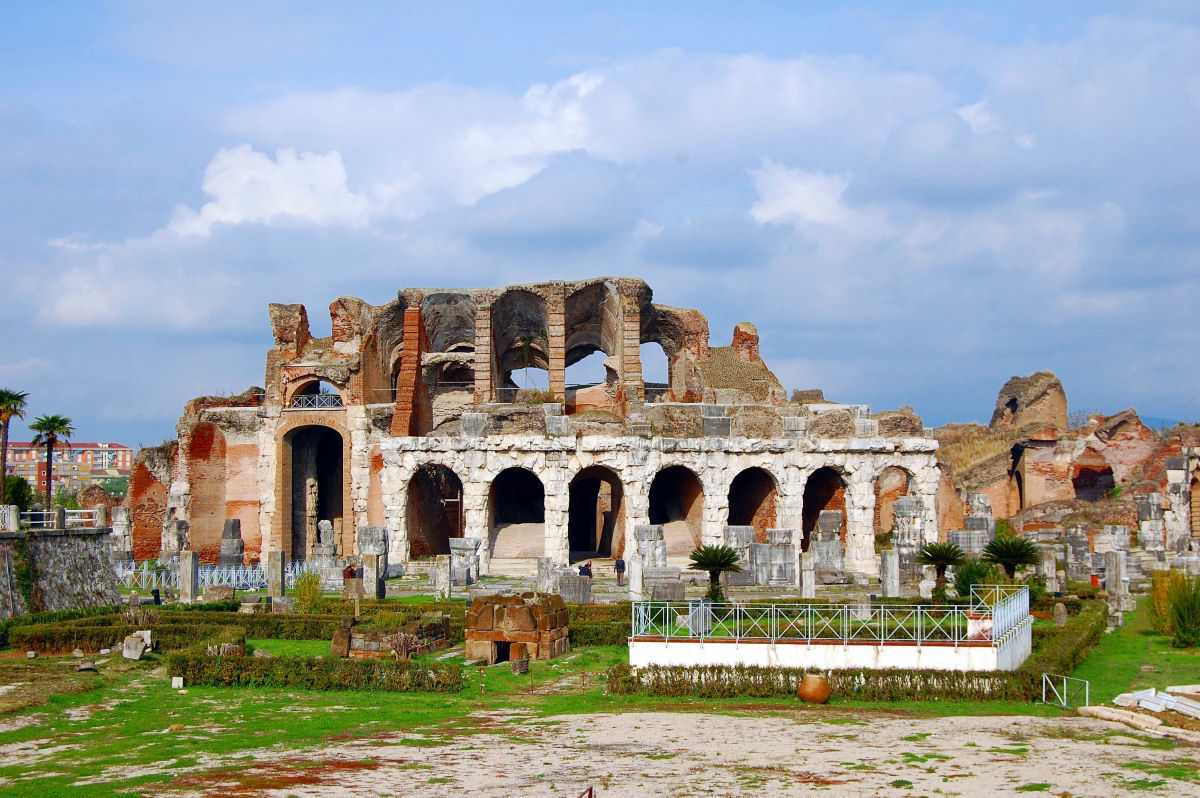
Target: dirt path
[{"x": 678, "y": 754}]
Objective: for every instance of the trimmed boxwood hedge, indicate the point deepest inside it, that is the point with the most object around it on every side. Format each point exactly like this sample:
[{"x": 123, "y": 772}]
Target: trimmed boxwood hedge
[
  {"x": 8, "y": 624},
  {"x": 316, "y": 674},
  {"x": 1060, "y": 651},
  {"x": 63, "y": 638}
]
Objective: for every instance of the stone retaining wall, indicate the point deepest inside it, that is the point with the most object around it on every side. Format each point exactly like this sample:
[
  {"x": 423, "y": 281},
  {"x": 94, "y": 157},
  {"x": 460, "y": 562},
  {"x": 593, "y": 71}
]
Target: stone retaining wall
[{"x": 71, "y": 568}]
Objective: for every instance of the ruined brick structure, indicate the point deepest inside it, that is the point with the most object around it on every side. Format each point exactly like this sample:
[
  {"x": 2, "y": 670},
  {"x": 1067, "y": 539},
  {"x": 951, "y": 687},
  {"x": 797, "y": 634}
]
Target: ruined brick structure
[{"x": 408, "y": 417}]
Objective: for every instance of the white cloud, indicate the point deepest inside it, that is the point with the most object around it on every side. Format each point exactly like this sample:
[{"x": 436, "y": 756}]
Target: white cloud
[{"x": 799, "y": 197}]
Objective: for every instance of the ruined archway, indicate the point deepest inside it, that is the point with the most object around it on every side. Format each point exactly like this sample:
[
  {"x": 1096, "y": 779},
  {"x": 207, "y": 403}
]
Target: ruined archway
[
  {"x": 825, "y": 490},
  {"x": 316, "y": 395},
  {"x": 315, "y": 482},
  {"x": 520, "y": 342},
  {"x": 1091, "y": 476},
  {"x": 435, "y": 512},
  {"x": 596, "y": 518},
  {"x": 752, "y": 498},
  {"x": 677, "y": 502},
  {"x": 517, "y": 510},
  {"x": 892, "y": 483}
]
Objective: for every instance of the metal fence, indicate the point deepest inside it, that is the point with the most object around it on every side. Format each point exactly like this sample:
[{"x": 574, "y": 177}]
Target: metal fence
[
  {"x": 146, "y": 576},
  {"x": 1008, "y": 604},
  {"x": 317, "y": 401},
  {"x": 44, "y": 519},
  {"x": 845, "y": 623},
  {"x": 1064, "y": 691}
]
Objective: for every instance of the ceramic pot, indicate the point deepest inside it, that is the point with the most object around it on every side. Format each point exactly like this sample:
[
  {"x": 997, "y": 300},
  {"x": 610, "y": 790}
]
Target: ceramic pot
[{"x": 813, "y": 689}]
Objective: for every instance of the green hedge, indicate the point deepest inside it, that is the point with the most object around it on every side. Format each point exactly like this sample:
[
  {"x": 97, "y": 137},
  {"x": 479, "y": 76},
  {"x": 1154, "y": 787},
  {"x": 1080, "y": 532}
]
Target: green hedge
[
  {"x": 63, "y": 638},
  {"x": 600, "y": 633},
  {"x": 8, "y": 624},
  {"x": 1059, "y": 650},
  {"x": 316, "y": 674}
]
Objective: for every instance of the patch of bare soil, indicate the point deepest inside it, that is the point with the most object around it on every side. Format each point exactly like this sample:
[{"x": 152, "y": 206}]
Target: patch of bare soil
[{"x": 679, "y": 754}]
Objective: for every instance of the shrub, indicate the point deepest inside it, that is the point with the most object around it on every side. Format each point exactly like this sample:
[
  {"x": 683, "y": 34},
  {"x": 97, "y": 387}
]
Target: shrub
[
  {"x": 973, "y": 572},
  {"x": 63, "y": 638},
  {"x": 1184, "y": 598},
  {"x": 307, "y": 591},
  {"x": 8, "y": 624},
  {"x": 316, "y": 674},
  {"x": 600, "y": 633},
  {"x": 1160, "y": 601}
]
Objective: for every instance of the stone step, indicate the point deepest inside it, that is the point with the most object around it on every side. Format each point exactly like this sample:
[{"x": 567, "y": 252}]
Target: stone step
[{"x": 524, "y": 567}]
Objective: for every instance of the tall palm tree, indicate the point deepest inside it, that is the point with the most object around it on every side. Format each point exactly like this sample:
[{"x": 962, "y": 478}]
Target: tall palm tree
[
  {"x": 12, "y": 405},
  {"x": 1010, "y": 551},
  {"x": 716, "y": 560},
  {"x": 51, "y": 430},
  {"x": 941, "y": 556}
]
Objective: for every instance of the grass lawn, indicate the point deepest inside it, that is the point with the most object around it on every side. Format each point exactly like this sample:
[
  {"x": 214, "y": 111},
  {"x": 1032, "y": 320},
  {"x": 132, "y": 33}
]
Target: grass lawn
[
  {"x": 290, "y": 648},
  {"x": 1115, "y": 665}
]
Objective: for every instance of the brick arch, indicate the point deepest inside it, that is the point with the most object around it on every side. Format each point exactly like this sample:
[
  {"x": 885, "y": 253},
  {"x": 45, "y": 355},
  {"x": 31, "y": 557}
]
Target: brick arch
[
  {"x": 434, "y": 509},
  {"x": 753, "y": 495},
  {"x": 291, "y": 421},
  {"x": 296, "y": 384},
  {"x": 596, "y": 512},
  {"x": 675, "y": 494},
  {"x": 887, "y": 489},
  {"x": 824, "y": 489}
]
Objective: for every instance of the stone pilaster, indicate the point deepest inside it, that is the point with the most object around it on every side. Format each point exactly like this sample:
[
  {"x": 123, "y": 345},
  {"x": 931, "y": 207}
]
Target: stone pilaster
[{"x": 556, "y": 329}]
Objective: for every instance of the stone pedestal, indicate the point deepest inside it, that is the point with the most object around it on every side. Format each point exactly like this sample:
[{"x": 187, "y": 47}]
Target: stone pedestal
[
  {"x": 782, "y": 557},
  {"x": 174, "y": 540},
  {"x": 122, "y": 535},
  {"x": 662, "y": 584},
  {"x": 373, "y": 550},
  {"x": 971, "y": 541},
  {"x": 275, "y": 581},
  {"x": 1114, "y": 574},
  {"x": 12, "y": 518},
  {"x": 828, "y": 549},
  {"x": 575, "y": 589},
  {"x": 232, "y": 547},
  {"x": 741, "y": 539},
  {"x": 439, "y": 576},
  {"x": 636, "y": 584},
  {"x": 464, "y": 560},
  {"x": 189, "y": 577},
  {"x": 1048, "y": 569},
  {"x": 908, "y": 533},
  {"x": 808, "y": 577},
  {"x": 651, "y": 545},
  {"x": 889, "y": 570}
]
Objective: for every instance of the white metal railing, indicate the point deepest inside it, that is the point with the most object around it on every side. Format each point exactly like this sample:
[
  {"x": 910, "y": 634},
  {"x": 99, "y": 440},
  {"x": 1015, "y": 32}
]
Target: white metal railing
[
  {"x": 845, "y": 623},
  {"x": 317, "y": 401},
  {"x": 1009, "y": 605},
  {"x": 1064, "y": 690},
  {"x": 45, "y": 518},
  {"x": 145, "y": 576},
  {"x": 81, "y": 518}
]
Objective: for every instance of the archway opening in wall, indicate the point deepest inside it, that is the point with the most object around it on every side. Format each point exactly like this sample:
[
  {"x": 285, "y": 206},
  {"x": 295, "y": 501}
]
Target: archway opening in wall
[
  {"x": 435, "y": 510},
  {"x": 316, "y": 395},
  {"x": 596, "y": 516},
  {"x": 1020, "y": 482},
  {"x": 517, "y": 508},
  {"x": 315, "y": 484},
  {"x": 1195, "y": 505},
  {"x": 655, "y": 370},
  {"x": 752, "y": 497},
  {"x": 677, "y": 502},
  {"x": 1092, "y": 483},
  {"x": 825, "y": 490},
  {"x": 892, "y": 483},
  {"x": 587, "y": 382}
]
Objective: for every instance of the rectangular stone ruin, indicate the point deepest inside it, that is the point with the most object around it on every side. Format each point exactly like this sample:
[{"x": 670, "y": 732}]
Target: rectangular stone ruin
[
  {"x": 663, "y": 584},
  {"x": 464, "y": 560},
  {"x": 12, "y": 518},
  {"x": 548, "y": 575},
  {"x": 971, "y": 541},
  {"x": 473, "y": 424},
  {"x": 1079, "y": 562},
  {"x": 889, "y": 574},
  {"x": 634, "y": 581},
  {"x": 558, "y": 426},
  {"x": 189, "y": 577},
  {"x": 1119, "y": 533},
  {"x": 325, "y": 560},
  {"x": 1048, "y": 566},
  {"x": 908, "y": 534},
  {"x": 275, "y": 583},
  {"x": 1103, "y": 542},
  {"x": 783, "y": 557},
  {"x": 827, "y": 548},
  {"x": 795, "y": 426},
  {"x": 432, "y": 631},
  {"x": 740, "y": 539},
  {"x": 373, "y": 549},
  {"x": 651, "y": 546},
  {"x": 575, "y": 589},
  {"x": 122, "y": 535},
  {"x": 511, "y": 628},
  {"x": 439, "y": 576},
  {"x": 714, "y": 427},
  {"x": 808, "y": 576},
  {"x": 174, "y": 539},
  {"x": 232, "y": 547},
  {"x": 759, "y": 565}
]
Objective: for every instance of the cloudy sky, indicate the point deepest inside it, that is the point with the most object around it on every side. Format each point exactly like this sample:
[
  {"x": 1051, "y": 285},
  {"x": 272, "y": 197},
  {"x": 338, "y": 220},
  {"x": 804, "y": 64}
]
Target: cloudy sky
[{"x": 912, "y": 205}]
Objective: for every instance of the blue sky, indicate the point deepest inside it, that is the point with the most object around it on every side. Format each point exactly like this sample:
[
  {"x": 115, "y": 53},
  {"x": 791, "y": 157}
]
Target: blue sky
[{"x": 913, "y": 204}]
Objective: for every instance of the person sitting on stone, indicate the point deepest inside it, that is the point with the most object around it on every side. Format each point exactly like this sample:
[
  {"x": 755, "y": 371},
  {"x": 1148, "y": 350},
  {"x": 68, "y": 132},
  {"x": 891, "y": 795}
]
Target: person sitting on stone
[{"x": 586, "y": 569}]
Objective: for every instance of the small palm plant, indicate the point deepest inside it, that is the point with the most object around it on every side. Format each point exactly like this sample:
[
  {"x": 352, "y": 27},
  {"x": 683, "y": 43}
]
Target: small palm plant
[
  {"x": 716, "y": 560},
  {"x": 941, "y": 556},
  {"x": 1010, "y": 552}
]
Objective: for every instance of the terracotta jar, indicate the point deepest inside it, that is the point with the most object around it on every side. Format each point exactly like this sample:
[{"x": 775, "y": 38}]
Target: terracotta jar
[{"x": 813, "y": 689}]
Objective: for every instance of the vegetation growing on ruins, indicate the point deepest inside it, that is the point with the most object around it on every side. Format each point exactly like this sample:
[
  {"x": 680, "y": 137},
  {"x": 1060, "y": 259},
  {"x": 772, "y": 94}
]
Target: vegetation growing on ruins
[
  {"x": 1010, "y": 552},
  {"x": 716, "y": 560}
]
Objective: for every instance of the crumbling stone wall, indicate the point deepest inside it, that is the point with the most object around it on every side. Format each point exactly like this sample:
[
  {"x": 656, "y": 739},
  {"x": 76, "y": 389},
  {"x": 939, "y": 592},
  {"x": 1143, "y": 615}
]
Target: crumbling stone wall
[
  {"x": 148, "y": 485},
  {"x": 70, "y": 569}
]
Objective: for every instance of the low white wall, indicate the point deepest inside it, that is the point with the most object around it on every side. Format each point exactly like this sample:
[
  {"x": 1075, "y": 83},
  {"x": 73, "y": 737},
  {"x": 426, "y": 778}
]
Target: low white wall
[{"x": 823, "y": 656}]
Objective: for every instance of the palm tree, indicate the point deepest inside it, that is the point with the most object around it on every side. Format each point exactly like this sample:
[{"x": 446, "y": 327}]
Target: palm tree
[
  {"x": 941, "y": 556},
  {"x": 716, "y": 560},
  {"x": 12, "y": 405},
  {"x": 51, "y": 430},
  {"x": 1010, "y": 551}
]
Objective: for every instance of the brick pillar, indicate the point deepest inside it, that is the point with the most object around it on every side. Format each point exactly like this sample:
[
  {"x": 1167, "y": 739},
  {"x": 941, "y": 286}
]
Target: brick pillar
[
  {"x": 483, "y": 353},
  {"x": 409, "y": 378},
  {"x": 631, "y": 355},
  {"x": 556, "y": 326}
]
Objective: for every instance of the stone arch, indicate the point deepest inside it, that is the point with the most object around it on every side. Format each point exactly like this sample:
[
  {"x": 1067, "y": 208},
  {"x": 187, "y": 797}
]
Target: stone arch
[
  {"x": 677, "y": 502},
  {"x": 1091, "y": 476},
  {"x": 315, "y": 485},
  {"x": 753, "y": 495},
  {"x": 516, "y": 514},
  {"x": 299, "y": 390},
  {"x": 206, "y": 472},
  {"x": 593, "y": 322},
  {"x": 892, "y": 483},
  {"x": 449, "y": 320},
  {"x": 434, "y": 510},
  {"x": 293, "y": 423},
  {"x": 825, "y": 489},
  {"x": 596, "y": 514},
  {"x": 520, "y": 324}
]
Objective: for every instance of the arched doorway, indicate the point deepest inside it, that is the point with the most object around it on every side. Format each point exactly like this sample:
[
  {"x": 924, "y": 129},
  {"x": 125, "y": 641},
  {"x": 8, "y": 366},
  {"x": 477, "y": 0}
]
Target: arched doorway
[
  {"x": 752, "y": 496},
  {"x": 677, "y": 502},
  {"x": 315, "y": 484},
  {"x": 892, "y": 483},
  {"x": 596, "y": 518},
  {"x": 517, "y": 509},
  {"x": 825, "y": 490},
  {"x": 435, "y": 511}
]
